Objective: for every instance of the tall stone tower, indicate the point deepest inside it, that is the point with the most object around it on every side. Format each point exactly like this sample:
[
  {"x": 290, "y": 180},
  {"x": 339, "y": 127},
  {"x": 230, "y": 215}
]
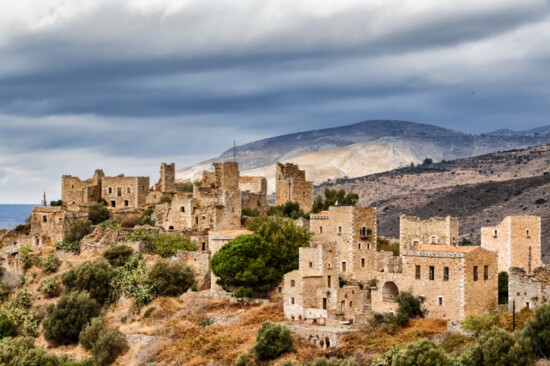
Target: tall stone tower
[
  {"x": 291, "y": 185},
  {"x": 167, "y": 178}
]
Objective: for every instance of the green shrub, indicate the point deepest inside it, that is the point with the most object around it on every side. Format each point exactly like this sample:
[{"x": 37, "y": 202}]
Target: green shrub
[
  {"x": 170, "y": 278},
  {"x": 165, "y": 199},
  {"x": 56, "y": 203},
  {"x": 149, "y": 312},
  {"x": 383, "y": 323},
  {"x": 98, "y": 213},
  {"x": 206, "y": 322},
  {"x": 19, "y": 309},
  {"x": 51, "y": 287},
  {"x": 498, "y": 347},
  {"x": 131, "y": 280},
  {"x": 537, "y": 330},
  {"x": 21, "y": 351},
  {"x": 68, "y": 246},
  {"x": 421, "y": 353},
  {"x": 477, "y": 324},
  {"x": 334, "y": 197},
  {"x": 164, "y": 244},
  {"x": 50, "y": 264},
  {"x": 242, "y": 360},
  {"x": 185, "y": 187},
  {"x": 77, "y": 231},
  {"x": 105, "y": 344},
  {"x": 503, "y": 288},
  {"x": 272, "y": 341},
  {"x": 331, "y": 362},
  {"x": 409, "y": 306},
  {"x": 250, "y": 212},
  {"x": 111, "y": 224},
  {"x": 25, "y": 256},
  {"x": 118, "y": 255},
  {"x": 94, "y": 277},
  {"x": 65, "y": 320},
  {"x": 7, "y": 326},
  {"x": 146, "y": 217},
  {"x": 289, "y": 209}
]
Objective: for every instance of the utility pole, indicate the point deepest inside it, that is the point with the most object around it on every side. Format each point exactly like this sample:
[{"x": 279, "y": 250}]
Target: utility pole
[
  {"x": 513, "y": 315},
  {"x": 44, "y": 202}
]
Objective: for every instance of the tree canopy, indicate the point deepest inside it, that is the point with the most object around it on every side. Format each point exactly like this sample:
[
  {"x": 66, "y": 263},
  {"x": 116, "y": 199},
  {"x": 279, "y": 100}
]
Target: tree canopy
[{"x": 334, "y": 197}]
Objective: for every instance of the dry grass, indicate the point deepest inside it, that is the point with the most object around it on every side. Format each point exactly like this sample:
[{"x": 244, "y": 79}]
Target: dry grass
[{"x": 365, "y": 343}]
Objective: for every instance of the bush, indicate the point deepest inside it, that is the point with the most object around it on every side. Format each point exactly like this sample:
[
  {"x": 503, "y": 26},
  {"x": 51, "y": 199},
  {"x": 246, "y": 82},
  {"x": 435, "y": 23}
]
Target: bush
[
  {"x": 334, "y": 197},
  {"x": 272, "y": 341},
  {"x": 50, "y": 264},
  {"x": 538, "y": 331},
  {"x": 245, "y": 262},
  {"x": 21, "y": 351},
  {"x": 284, "y": 238},
  {"x": 421, "y": 353},
  {"x": 68, "y": 246},
  {"x": 77, "y": 231},
  {"x": 25, "y": 256},
  {"x": 477, "y": 324},
  {"x": 93, "y": 277},
  {"x": 185, "y": 187},
  {"x": 146, "y": 217},
  {"x": 166, "y": 245},
  {"x": 19, "y": 309},
  {"x": 331, "y": 362},
  {"x": 98, "y": 213},
  {"x": 250, "y": 212},
  {"x": 7, "y": 326},
  {"x": 289, "y": 209},
  {"x": 165, "y": 199},
  {"x": 118, "y": 255},
  {"x": 170, "y": 278},
  {"x": 499, "y": 347},
  {"x": 383, "y": 323},
  {"x": 409, "y": 306},
  {"x": 105, "y": 344},
  {"x": 65, "y": 320},
  {"x": 503, "y": 288},
  {"x": 110, "y": 224},
  {"x": 51, "y": 287},
  {"x": 131, "y": 280},
  {"x": 56, "y": 203}
]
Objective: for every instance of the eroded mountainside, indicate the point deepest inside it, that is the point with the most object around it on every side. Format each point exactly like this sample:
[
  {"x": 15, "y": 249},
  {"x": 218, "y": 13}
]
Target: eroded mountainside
[
  {"x": 365, "y": 148},
  {"x": 480, "y": 191}
]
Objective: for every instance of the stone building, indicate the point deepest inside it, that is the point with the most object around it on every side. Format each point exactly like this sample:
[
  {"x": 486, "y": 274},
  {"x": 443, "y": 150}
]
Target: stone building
[
  {"x": 49, "y": 224},
  {"x": 528, "y": 290},
  {"x": 291, "y": 185},
  {"x": 122, "y": 192},
  {"x": 166, "y": 184},
  {"x": 76, "y": 192},
  {"x": 343, "y": 278},
  {"x": 517, "y": 240},
  {"x": 254, "y": 193},
  {"x": 436, "y": 230}
]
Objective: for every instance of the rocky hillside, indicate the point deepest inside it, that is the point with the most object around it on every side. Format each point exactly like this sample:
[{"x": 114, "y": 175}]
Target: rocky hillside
[
  {"x": 480, "y": 191},
  {"x": 364, "y": 148}
]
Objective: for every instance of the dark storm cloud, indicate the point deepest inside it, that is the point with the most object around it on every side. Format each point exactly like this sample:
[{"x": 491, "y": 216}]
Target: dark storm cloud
[{"x": 126, "y": 83}]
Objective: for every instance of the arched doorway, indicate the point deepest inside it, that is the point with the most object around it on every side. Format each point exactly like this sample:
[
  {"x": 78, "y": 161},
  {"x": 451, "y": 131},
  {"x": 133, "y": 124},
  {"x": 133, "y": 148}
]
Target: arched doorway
[{"x": 389, "y": 291}]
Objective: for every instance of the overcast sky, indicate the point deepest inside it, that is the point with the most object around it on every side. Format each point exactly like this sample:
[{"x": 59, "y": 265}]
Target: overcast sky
[{"x": 125, "y": 84}]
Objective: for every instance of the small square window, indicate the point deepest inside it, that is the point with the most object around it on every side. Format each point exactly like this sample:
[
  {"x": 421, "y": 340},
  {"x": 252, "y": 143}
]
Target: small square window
[
  {"x": 440, "y": 300},
  {"x": 126, "y": 203},
  {"x": 292, "y": 283},
  {"x": 310, "y": 264},
  {"x": 343, "y": 266},
  {"x": 320, "y": 229},
  {"x": 432, "y": 273},
  {"x": 417, "y": 272},
  {"x": 363, "y": 262},
  {"x": 475, "y": 273},
  {"x": 445, "y": 273},
  {"x": 339, "y": 230},
  {"x": 292, "y": 301},
  {"x": 485, "y": 273}
]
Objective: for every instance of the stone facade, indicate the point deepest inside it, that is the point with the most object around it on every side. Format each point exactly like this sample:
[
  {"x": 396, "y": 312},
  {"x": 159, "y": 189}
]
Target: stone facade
[
  {"x": 49, "y": 224},
  {"x": 528, "y": 289},
  {"x": 75, "y": 192},
  {"x": 125, "y": 192},
  {"x": 254, "y": 193},
  {"x": 436, "y": 230},
  {"x": 291, "y": 185},
  {"x": 517, "y": 240},
  {"x": 342, "y": 278}
]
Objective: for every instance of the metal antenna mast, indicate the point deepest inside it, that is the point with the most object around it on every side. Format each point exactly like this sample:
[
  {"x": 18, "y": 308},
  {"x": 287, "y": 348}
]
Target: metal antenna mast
[{"x": 234, "y": 151}]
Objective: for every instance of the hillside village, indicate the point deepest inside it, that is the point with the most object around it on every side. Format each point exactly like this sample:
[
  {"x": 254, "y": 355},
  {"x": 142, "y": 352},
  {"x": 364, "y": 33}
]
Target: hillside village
[{"x": 344, "y": 277}]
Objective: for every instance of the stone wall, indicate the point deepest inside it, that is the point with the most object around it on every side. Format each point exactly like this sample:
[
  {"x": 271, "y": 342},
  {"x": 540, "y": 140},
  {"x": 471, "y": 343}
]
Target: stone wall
[
  {"x": 125, "y": 192},
  {"x": 291, "y": 185},
  {"x": 200, "y": 264},
  {"x": 76, "y": 192},
  {"x": 528, "y": 289},
  {"x": 435, "y": 230},
  {"x": 516, "y": 240},
  {"x": 49, "y": 224}
]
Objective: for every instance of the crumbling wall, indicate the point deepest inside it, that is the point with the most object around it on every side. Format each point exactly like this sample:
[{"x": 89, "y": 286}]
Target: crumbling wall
[
  {"x": 291, "y": 185},
  {"x": 528, "y": 289},
  {"x": 435, "y": 230},
  {"x": 200, "y": 264},
  {"x": 76, "y": 192},
  {"x": 125, "y": 192}
]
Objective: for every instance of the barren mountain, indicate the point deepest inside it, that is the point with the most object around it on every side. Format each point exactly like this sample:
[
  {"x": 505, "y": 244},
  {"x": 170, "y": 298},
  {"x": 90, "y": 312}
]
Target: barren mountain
[
  {"x": 480, "y": 191},
  {"x": 364, "y": 148}
]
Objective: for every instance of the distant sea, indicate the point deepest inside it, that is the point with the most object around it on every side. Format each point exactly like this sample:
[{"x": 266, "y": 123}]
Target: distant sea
[{"x": 13, "y": 215}]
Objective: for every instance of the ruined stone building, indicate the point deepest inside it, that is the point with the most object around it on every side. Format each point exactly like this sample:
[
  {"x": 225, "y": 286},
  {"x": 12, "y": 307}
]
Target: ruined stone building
[
  {"x": 76, "y": 192},
  {"x": 291, "y": 185},
  {"x": 166, "y": 184},
  {"x": 528, "y": 290},
  {"x": 343, "y": 278},
  {"x": 517, "y": 240},
  {"x": 253, "y": 193}
]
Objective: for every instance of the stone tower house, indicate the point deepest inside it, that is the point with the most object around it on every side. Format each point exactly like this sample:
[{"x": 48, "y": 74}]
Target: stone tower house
[
  {"x": 167, "y": 178},
  {"x": 517, "y": 240},
  {"x": 291, "y": 185}
]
